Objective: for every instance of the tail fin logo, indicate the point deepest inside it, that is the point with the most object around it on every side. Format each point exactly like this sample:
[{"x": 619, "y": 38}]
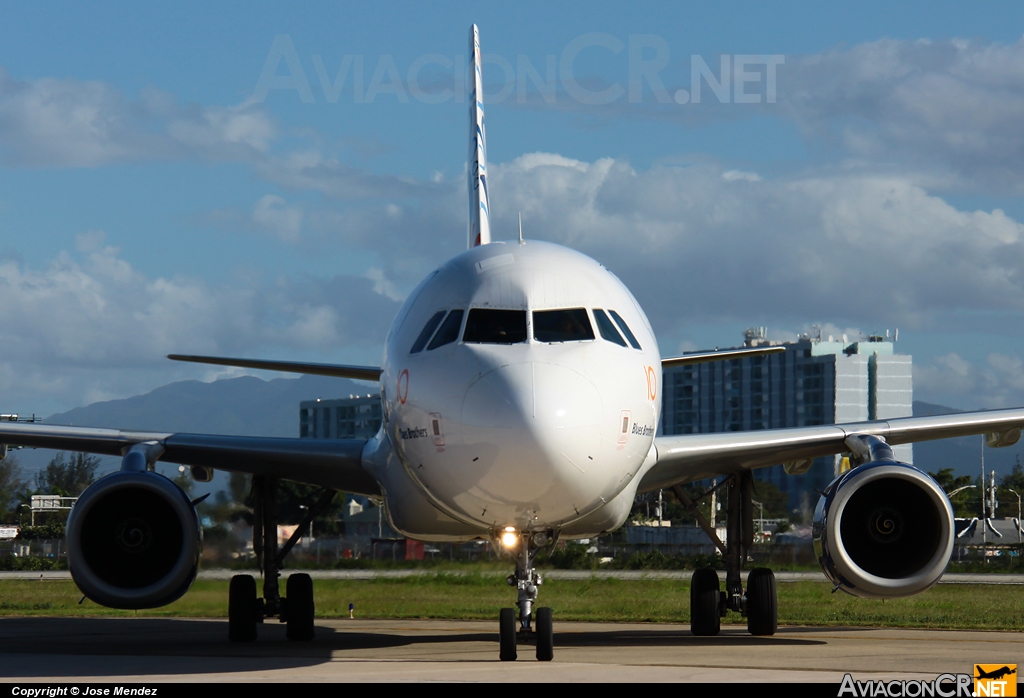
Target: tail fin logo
[{"x": 479, "y": 202}]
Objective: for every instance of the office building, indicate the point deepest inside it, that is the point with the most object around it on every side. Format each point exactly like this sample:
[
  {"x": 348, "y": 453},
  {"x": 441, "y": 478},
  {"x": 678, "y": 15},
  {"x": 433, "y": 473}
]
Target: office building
[
  {"x": 354, "y": 417},
  {"x": 815, "y": 381}
]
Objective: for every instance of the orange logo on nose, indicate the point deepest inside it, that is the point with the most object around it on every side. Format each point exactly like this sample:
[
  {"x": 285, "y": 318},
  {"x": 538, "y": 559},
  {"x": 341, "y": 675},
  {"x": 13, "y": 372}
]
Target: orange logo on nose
[
  {"x": 403, "y": 385},
  {"x": 652, "y": 384}
]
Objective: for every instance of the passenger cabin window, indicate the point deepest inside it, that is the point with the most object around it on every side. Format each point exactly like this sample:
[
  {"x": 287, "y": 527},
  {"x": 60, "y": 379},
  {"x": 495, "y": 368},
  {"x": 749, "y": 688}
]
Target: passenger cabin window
[
  {"x": 625, "y": 329},
  {"x": 487, "y": 326},
  {"x": 570, "y": 325},
  {"x": 428, "y": 330},
  {"x": 607, "y": 329},
  {"x": 449, "y": 331}
]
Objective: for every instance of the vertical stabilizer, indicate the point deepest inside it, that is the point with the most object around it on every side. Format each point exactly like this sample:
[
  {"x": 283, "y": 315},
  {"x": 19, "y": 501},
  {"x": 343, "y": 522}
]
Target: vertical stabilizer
[{"x": 479, "y": 203}]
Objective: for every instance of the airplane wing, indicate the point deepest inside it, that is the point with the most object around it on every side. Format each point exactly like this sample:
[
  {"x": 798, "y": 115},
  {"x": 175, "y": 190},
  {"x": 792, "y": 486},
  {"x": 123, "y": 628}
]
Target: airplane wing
[
  {"x": 703, "y": 357},
  {"x": 333, "y": 463},
  {"x": 689, "y": 457},
  {"x": 363, "y": 373}
]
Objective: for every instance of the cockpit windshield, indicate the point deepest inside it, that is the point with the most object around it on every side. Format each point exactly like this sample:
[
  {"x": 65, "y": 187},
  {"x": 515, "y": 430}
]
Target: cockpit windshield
[
  {"x": 568, "y": 325},
  {"x": 449, "y": 331},
  {"x": 607, "y": 329},
  {"x": 625, "y": 329},
  {"x": 488, "y": 326},
  {"x": 427, "y": 331}
]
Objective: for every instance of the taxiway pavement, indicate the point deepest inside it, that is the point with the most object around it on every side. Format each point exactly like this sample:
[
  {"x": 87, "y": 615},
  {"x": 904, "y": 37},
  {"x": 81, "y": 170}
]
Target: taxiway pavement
[{"x": 152, "y": 650}]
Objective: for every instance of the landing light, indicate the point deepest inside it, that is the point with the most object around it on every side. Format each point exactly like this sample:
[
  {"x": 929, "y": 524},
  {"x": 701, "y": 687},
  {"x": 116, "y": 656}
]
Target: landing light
[{"x": 509, "y": 538}]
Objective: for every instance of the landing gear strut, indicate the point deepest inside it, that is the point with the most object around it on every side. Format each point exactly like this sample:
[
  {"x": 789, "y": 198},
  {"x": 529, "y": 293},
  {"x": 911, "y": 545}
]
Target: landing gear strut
[
  {"x": 296, "y": 609},
  {"x": 533, "y": 627},
  {"x": 708, "y": 605}
]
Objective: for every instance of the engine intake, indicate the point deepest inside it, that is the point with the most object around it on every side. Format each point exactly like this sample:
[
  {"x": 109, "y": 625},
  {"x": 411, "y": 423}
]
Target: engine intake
[
  {"x": 134, "y": 541},
  {"x": 883, "y": 530}
]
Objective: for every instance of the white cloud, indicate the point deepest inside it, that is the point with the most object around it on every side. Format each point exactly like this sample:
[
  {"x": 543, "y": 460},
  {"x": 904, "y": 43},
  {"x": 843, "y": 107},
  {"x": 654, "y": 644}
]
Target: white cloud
[
  {"x": 214, "y": 127},
  {"x": 314, "y": 326},
  {"x": 383, "y": 285},
  {"x": 955, "y": 104},
  {"x": 53, "y": 122},
  {"x": 953, "y": 380},
  {"x": 946, "y": 112},
  {"x": 870, "y": 244},
  {"x": 311, "y": 170},
  {"x": 273, "y": 214},
  {"x": 733, "y": 175},
  {"x": 91, "y": 324},
  {"x": 858, "y": 249}
]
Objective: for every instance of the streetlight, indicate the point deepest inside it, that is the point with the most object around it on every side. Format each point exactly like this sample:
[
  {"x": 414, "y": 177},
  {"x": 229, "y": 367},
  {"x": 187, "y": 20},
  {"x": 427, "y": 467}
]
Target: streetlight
[
  {"x": 761, "y": 509},
  {"x": 958, "y": 490},
  {"x": 952, "y": 494}
]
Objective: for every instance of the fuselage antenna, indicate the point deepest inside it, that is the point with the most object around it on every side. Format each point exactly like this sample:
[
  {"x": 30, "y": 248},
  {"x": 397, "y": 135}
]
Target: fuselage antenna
[{"x": 520, "y": 227}]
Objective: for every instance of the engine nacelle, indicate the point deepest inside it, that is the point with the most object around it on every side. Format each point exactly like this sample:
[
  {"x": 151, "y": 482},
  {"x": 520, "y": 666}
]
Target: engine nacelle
[
  {"x": 883, "y": 530},
  {"x": 134, "y": 541}
]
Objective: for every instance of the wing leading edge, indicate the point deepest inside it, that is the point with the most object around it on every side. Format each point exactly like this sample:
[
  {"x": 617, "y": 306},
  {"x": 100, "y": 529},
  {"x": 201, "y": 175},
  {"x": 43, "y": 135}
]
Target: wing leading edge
[
  {"x": 324, "y": 462},
  {"x": 704, "y": 357},
  {"x": 363, "y": 373},
  {"x": 688, "y": 457}
]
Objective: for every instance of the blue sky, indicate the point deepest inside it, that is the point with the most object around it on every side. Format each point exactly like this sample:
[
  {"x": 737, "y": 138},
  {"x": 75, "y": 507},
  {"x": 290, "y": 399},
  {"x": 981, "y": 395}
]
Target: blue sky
[{"x": 153, "y": 199}]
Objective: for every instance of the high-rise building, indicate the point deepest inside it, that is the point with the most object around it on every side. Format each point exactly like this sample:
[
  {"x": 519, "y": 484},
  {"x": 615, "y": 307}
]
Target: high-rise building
[
  {"x": 354, "y": 417},
  {"x": 815, "y": 381}
]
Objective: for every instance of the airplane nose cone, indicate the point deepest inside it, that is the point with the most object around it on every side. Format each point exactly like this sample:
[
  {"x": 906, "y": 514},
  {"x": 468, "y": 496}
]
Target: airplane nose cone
[{"x": 541, "y": 422}]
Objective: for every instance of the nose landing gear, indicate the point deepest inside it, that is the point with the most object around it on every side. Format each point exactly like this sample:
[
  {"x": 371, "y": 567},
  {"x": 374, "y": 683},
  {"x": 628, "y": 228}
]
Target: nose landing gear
[{"x": 533, "y": 627}]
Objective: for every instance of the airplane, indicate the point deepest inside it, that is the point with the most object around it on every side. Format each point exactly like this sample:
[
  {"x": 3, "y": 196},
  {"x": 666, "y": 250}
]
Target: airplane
[
  {"x": 521, "y": 390},
  {"x": 994, "y": 674}
]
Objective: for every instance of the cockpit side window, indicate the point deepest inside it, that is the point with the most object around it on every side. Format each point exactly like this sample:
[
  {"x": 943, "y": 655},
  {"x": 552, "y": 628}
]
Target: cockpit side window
[
  {"x": 569, "y": 325},
  {"x": 449, "y": 331},
  {"x": 488, "y": 326},
  {"x": 607, "y": 329},
  {"x": 625, "y": 329},
  {"x": 428, "y": 330}
]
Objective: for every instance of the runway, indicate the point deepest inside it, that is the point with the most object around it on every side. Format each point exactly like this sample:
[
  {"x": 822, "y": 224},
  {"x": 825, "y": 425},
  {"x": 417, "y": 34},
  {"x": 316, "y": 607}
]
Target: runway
[{"x": 160, "y": 650}]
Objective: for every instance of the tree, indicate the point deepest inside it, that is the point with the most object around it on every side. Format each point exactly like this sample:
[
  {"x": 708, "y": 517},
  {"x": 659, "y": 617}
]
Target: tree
[
  {"x": 966, "y": 503},
  {"x": 294, "y": 497},
  {"x": 1014, "y": 481},
  {"x": 239, "y": 484},
  {"x": 68, "y": 478},
  {"x": 774, "y": 500},
  {"x": 11, "y": 486}
]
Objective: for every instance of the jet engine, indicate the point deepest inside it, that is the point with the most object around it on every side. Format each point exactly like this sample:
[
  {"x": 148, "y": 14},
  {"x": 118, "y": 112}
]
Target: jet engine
[
  {"x": 134, "y": 541},
  {"x": 883, "y": 530}
]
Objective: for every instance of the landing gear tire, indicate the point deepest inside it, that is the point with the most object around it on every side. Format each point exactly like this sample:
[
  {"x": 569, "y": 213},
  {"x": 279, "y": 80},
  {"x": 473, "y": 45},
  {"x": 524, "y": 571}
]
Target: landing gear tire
[
  {"x": 507, "y": 635},
  {"x": 545, "y": 635},
  {"x": 705, "y": 618},
  {"x": 299, "y": 609},
  {"x": 242, "y": 608},
  {"x": 762, "y": 602}
]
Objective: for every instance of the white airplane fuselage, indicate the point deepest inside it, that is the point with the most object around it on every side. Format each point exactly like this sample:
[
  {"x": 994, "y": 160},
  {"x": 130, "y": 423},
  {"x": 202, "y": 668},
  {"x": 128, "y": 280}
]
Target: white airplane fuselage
[{"x": 498, "y": 428}]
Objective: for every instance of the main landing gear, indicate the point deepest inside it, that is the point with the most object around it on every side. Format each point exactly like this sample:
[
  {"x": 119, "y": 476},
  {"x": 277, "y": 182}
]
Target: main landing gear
[
  {"x": 533, "y": 627},
  {"x": 708, "y": 604},
  {"x": 296, "y": 608}
]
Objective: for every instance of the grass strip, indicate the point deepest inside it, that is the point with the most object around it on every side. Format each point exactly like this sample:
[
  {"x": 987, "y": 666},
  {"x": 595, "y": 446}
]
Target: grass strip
[{"x": 473, "y": 596}]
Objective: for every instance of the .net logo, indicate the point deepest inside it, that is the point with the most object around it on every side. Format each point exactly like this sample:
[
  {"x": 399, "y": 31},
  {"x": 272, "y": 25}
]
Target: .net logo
[{"x": 995, "y": 680}]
